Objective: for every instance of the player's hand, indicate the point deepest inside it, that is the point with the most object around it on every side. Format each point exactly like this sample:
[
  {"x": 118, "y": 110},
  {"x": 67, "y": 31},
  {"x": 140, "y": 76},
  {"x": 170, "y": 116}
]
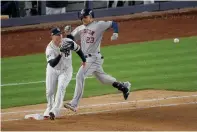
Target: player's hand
[
  {"x": 61, "y": 53},
  {"x": 68, "y": 29},
  {"x": 83, "y": 64},
  {"x": 114, "y": 36}
]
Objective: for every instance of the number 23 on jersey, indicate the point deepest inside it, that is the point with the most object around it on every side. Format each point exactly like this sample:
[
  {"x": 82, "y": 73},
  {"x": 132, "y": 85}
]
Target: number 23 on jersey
[{"x": 90, "y": 40}]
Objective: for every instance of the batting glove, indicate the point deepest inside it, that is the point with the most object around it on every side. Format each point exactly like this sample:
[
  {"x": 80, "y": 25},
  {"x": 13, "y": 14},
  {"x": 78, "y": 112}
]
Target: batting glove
[{"x": 114, "y": 36}]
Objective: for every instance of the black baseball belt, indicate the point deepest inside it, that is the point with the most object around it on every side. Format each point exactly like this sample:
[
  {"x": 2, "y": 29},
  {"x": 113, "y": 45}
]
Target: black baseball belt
[{"x": 90, "y": 55}]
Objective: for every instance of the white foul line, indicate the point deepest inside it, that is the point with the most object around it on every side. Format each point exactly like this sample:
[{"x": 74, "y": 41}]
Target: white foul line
[
  {"x": 12, "y": 120},
  {"x": 14, "y": 84},
  {"x": 96, "y": 112},
  {"x": 146, "y": 100},
  {"x": 102, "y": 111},
  {"x": 116, "y": 103}
]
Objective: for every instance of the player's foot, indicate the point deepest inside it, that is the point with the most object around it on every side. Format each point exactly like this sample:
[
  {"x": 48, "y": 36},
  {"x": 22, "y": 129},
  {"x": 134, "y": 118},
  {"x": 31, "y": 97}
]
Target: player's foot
[
  {"x": 52, "y": 116},
  {"x": 126, "y": 92},
  {"x": 69, "y": 106},
  {"x": 46, "y": 117}
]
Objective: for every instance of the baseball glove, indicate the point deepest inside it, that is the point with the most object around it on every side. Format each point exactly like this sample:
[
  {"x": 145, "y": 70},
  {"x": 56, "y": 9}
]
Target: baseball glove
[{"x": 66, "y": 47}]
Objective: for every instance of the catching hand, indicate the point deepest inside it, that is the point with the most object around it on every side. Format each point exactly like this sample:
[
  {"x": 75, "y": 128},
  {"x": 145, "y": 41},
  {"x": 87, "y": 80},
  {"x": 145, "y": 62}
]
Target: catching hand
[{"x": 66, "y": 47}]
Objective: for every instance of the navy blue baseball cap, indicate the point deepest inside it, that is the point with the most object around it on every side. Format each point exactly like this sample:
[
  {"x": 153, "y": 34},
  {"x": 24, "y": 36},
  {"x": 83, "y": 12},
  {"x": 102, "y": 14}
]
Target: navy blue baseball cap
[
  {"x": 85, "y": 12},
  {"x": 56, "y": 31}
]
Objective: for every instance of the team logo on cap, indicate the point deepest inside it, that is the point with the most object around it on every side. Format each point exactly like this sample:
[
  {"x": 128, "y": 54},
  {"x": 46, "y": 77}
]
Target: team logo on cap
[{"x": 82, "y": 11}]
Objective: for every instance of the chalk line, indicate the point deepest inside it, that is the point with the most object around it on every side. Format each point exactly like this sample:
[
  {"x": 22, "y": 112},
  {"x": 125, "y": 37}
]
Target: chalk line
[
  {"x": 15, "y": 84},
  {"x": 133, "y": 108},
  {"x": 116, "y": 103}
]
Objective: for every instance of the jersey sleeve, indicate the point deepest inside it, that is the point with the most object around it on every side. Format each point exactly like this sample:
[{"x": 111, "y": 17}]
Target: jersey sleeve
[
  {"x": 76, "y": 47},
  {"x": 49, "y": 55},
  {"x": 76, "y": 33},
  {"x": 104, "y": 25}
]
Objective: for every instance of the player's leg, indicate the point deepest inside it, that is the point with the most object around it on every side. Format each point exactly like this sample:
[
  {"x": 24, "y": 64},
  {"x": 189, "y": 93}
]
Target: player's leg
[
  {"x": 51, "y": 83},
  {"x": 80, "y": 82},
  {"x": 107, "y": 79},
  {"x": 63, "y": 81},
  {"x": 104, "y": 78}
]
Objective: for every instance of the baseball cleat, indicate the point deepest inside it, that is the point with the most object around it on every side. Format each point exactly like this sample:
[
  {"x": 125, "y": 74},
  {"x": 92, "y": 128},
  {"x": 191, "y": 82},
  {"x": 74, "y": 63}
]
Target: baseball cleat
[
  {"x": 52, "y": 116},
  {"x": 127, "y": 91},
  {"x": 69, "y": 106}
]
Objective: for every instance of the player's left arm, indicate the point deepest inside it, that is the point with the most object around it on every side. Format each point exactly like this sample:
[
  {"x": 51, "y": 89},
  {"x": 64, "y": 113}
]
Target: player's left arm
[
  {"x": 68, "y": 44},
  {"x": 104, "y": 25},
  {"x": 78, "y": 50},
  {"x": 114, "y": 26}
]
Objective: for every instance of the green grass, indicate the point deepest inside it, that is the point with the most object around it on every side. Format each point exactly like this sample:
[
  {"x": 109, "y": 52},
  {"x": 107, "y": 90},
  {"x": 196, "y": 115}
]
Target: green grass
[{"x": 149, "y": 65}]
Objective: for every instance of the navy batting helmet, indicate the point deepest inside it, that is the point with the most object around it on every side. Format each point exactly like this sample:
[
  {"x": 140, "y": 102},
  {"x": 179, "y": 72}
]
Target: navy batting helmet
[{"x": 85, "y": 12}]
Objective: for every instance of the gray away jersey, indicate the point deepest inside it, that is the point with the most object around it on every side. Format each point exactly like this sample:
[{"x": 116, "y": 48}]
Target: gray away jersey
[
  {"x": 91, "y": 35},
  {"x": 53, "y": 51}
]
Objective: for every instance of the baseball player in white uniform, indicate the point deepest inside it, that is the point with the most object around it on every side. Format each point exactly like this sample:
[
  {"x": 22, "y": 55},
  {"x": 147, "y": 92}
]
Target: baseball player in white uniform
[
  {"x": 59, "y": 71},
  {"x": 90, "y": 34}
]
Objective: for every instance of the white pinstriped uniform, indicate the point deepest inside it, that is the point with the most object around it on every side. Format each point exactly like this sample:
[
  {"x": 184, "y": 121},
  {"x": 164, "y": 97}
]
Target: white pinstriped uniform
[
  {"x": 91, "y": 37},
  {"x": 59, "y": 76}
]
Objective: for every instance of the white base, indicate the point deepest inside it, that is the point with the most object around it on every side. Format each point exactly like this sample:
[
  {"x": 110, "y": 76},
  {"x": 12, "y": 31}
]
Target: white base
[{"x": 34, "y": 116}]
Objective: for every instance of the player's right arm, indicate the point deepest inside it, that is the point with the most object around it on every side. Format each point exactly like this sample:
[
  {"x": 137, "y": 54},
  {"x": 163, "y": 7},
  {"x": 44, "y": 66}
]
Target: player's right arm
[
  {"x": 68, "y": 30},
  {"x": 74, "y": 35},
  {"x": 51, "y": 59}
]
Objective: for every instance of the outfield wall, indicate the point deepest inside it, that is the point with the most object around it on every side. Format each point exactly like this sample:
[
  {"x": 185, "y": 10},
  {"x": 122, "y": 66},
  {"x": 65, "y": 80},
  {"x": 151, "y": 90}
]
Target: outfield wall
[{"x": 98, "y": 13}]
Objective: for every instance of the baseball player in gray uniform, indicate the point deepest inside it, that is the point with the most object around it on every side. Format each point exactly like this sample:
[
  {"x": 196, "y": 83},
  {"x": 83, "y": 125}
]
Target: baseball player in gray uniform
[
  {"x": 90, "y": 34},
  {"x": 59, "y": 70}
]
